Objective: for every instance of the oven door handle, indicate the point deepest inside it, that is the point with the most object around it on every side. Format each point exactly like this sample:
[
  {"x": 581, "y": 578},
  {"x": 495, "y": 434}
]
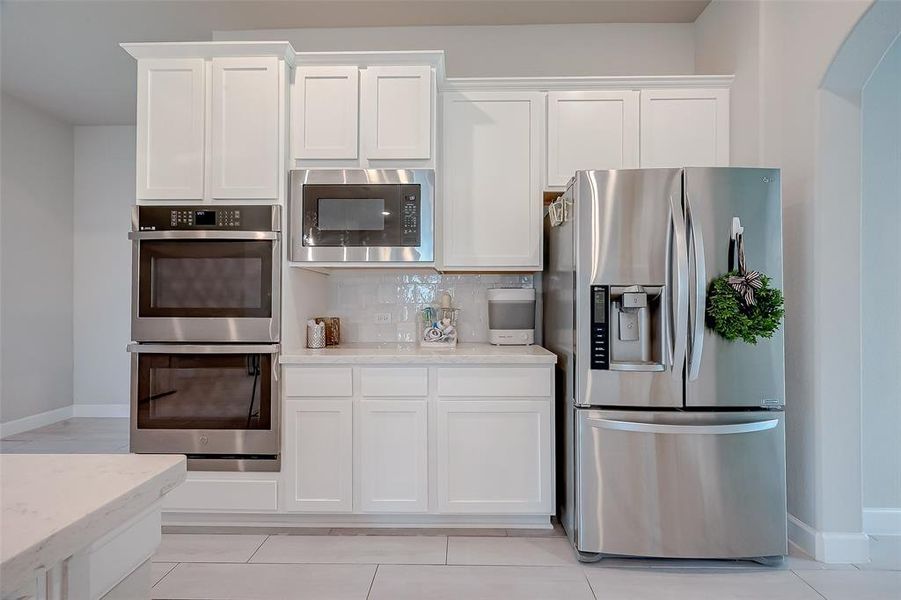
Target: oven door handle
[
  {"x": 203, "y": 234},
  {"x": 203, "y": 348}
]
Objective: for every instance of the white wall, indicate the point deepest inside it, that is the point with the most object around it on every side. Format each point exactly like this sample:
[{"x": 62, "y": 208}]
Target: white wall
[
  {"x": 104, "y": 193},
  {"x": 727, "y": 40},
  {"x": 517, "y": 50},
  {"x": 881, "y": 288},
  {"x": 35, "y": 261}
]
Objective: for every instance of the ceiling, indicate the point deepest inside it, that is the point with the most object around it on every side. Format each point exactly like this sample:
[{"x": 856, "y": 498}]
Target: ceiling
[{"x": 63, "y": 55}]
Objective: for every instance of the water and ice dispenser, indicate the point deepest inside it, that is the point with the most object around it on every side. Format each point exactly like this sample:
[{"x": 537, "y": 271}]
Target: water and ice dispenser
[{"x": 628, "y": 328}]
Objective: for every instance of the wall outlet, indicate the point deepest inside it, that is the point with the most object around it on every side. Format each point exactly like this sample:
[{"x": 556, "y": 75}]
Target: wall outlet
[{"x": 382, "y": 317}]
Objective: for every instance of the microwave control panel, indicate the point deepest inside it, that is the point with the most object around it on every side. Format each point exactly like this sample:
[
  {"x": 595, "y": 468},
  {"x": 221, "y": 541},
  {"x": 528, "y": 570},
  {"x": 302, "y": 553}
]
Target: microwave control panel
[
  {"x": 410, "y": 215},
  {"x": 600, "y": 312},
  {"x": 234, "y": 218}
]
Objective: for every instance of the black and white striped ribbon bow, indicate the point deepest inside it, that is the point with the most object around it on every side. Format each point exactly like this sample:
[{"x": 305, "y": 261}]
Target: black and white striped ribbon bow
[{"x": 746, "y": 284}]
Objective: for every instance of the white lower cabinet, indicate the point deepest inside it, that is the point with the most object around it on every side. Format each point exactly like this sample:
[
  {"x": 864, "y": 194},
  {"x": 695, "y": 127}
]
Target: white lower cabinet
[
  {"x": 319, "y": 455},
  {"x": 394, "y": 455},
  {"x": 494, "y": 456}
]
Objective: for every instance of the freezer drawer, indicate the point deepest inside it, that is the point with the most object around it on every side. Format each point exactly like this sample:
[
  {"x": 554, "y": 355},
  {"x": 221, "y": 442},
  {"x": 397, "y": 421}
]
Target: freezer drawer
[{"x": 679, "y": 484}]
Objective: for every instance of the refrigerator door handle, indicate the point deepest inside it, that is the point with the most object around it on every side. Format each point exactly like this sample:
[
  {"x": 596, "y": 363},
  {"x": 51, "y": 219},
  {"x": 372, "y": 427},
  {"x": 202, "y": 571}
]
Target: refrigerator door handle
[
  {"x": 729, "y": 428},
  {"x": 697, "y": 333},
  {"x": 680, "y": 310}
]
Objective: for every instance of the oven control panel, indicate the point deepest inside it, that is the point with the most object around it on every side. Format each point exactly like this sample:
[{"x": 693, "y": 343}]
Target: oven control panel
[{"x": 236, "y": 218}]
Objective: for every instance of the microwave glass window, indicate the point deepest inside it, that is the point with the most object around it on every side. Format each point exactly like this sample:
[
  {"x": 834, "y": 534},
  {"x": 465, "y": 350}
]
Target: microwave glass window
[
  {"x": 352, "y": 214},
  {"x": 190, "y": 278},
  {"x": 204, "y": 391}
]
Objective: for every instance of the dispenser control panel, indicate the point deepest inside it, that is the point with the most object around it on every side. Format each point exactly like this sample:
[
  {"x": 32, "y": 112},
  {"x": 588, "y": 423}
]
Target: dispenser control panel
[{"x": 600, "y": 338}]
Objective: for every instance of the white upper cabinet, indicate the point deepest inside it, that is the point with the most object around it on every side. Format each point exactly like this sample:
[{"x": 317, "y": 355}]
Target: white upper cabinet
[
  {"x": 685, "y": 128},
  {"x": 397, "y": 112},
  {"x": 590, "y": 130},
  {"x": 492, "y": 201},
  {"x": 170, "y": 128},
  {"x": 244, "y": 146},
  {"x": 324, "y": 107},
  {"x": 212, "y": 120}
]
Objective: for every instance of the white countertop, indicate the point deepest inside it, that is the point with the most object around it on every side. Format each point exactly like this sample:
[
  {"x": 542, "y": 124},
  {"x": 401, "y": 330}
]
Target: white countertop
[
  {"x": 53, "y": 505},
  {"x": 464, "y": 353}
]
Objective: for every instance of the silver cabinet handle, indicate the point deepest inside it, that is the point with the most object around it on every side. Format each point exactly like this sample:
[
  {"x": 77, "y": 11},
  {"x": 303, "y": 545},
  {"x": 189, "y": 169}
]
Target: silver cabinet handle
[
  {"x": 203, "y": 234},
  {"x": 685, "y": 429},
  {"x": 697, "y": 333},
  {"x": 680, "y": 310}
]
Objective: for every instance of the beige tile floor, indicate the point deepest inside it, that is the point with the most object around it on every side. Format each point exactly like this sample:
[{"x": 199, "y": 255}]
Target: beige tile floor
[{"x": 439, "y": 564}]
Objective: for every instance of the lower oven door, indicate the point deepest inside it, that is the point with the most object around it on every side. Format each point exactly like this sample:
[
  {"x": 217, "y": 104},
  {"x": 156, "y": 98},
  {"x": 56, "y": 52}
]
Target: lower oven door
[
  {"x": 205, "y": 286},
  {"x": 681, "y": 484},
  {"x": 212, "y": 402}
]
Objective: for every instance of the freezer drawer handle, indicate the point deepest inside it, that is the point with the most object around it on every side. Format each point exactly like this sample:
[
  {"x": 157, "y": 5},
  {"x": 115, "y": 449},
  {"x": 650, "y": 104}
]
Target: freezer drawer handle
[{"x": 685, "y": 429}]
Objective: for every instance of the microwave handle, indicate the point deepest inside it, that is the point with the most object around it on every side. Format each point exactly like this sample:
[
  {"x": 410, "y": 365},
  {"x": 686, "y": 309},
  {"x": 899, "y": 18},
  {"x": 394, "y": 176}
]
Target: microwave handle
[{"x": 203, "y": 348}]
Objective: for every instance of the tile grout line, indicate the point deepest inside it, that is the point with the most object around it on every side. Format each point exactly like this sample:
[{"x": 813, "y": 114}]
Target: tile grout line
[
  {"x": 265, "y": 538},
  {"x": 372, "y": 581},
  {"x": 446, "y": 548},
  {"x": 588, "y": 581},
  {"x": 807, "y": 583}
]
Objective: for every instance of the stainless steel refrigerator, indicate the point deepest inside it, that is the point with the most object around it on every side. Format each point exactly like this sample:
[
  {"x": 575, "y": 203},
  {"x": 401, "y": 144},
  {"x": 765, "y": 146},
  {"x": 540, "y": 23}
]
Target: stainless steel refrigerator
[{"x": 672, "y": 438}]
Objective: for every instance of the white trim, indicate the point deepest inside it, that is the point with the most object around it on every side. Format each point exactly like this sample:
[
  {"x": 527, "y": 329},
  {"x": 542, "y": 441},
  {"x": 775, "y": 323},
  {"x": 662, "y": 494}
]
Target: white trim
[
  {"x": 433, "y": 58},
  {"x": 225, "y": 519},
  {"x": 885, "y": 521},
  {"x": 101, "y": 410},
  {"x": 236, "y": 49},
  {"x": 460, "y": 84},
  {"x": 828, "y": 546},
  {"x": 34, "y": 421}
]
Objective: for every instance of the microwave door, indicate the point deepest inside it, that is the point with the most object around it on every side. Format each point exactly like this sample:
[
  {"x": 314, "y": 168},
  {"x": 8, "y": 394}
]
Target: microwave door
[{"x": 351, "y": 215}]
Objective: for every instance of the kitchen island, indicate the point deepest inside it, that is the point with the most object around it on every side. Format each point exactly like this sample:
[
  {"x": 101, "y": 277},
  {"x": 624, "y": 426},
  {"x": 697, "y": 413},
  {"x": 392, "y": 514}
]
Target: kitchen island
[{"x": 77, "y": 526}]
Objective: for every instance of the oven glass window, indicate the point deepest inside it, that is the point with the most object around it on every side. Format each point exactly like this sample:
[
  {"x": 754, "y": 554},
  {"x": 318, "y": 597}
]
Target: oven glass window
[
  {"x": 204, "y": 391},
  {"x": 205, "y": 278},
  {"x": 352, "y": 214}
]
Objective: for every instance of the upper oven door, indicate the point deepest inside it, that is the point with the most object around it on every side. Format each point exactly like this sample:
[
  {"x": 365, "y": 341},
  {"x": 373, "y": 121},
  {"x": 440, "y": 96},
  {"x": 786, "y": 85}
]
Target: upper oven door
[
  {"x": 362, "y": 216},
  {"x": 205, "y": 286}
]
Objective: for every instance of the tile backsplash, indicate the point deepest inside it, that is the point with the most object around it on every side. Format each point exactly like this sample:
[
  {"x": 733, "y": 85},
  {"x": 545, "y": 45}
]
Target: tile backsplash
[{"x": 383, "y": 306}]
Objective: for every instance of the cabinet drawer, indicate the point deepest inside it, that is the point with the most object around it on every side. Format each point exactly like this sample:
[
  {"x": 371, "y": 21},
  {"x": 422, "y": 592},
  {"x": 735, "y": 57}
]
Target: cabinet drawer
[
  {"x": 381, "y": 381},
  {"x": 223, "y": 494},
  {"x": 319, "y": 382},
  {"x": 489, "y": 382}
]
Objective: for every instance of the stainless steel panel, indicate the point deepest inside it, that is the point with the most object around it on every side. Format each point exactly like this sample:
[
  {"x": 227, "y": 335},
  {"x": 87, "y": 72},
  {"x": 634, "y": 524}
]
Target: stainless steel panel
[
  {"x": 722, "y": 373},
  {"x": 681, "y": 484},
  {"x": 625, "y": 222},
  {"x": 425, "y": 252},
  {"x": 234, "y": 442}
]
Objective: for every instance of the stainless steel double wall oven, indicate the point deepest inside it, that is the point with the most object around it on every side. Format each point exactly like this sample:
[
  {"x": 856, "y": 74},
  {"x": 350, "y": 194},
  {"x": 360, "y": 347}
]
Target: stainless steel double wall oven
[{"x": 205, "y": 325}]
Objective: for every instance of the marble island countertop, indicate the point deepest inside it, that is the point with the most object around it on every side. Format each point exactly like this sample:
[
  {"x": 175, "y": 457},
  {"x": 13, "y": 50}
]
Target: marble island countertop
[
  {"x": 53, "y": 505},
  {"x": 411, "y": 353}
]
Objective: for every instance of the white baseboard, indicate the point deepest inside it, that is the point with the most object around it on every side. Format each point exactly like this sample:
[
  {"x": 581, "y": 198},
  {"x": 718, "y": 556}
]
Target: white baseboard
[
  {"x": 101, "y": 410},
  {"x": 885, "y": 521},
  {"x": 829, "y": 546},
  {"x": 35, "y": 421}
]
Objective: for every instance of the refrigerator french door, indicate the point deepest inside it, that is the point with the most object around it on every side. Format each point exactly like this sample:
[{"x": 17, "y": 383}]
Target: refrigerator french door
[{"x": 673, "y": 438}]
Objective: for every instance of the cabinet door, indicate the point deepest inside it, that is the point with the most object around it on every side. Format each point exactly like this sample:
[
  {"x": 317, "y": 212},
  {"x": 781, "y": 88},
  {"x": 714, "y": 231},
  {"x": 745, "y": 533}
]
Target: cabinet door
[
  {"x": 244, "y": 142},
  {"x": 685, "y": 128},
  {"x": 318, "y": 462},
  {"x": 494, "y": 456},
  {"x": 397, "y": 112},
  {"x": 325, "y": 103},
  {"x": 492, "y": 206},
  {"x": 393, "y": 455},
  {"x": 170, "y": 129},
  {"x": 590, "y": 130}
]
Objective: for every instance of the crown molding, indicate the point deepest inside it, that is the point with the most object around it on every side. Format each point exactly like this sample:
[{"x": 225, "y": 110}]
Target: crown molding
[
  {"x": 550, "y": 84},
  {"x": 434, "y": 58},
  {"x": 139, "y": 50}
]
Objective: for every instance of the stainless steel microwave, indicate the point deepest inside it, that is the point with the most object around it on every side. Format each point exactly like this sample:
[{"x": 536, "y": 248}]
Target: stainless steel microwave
[{"x": 362, "y": 215}]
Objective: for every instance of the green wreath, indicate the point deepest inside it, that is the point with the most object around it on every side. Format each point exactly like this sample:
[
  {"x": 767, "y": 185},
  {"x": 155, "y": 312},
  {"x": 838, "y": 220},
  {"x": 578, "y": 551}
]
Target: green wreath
[{"x": 730, "y": 314}]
